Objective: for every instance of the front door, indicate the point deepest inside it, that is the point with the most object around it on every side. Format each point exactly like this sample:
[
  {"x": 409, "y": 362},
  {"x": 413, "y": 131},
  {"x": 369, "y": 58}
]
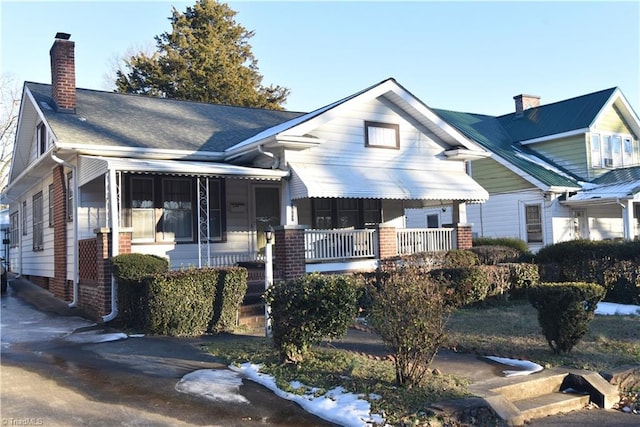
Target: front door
[{"x": 267, "y": 208}]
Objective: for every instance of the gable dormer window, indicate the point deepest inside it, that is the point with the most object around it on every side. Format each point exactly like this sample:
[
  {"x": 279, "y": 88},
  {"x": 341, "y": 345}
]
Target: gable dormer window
[
  {"x": 613, "y": 151},
  {"x": 381, "y": 135},
  {"x": 42, "y": 138}
]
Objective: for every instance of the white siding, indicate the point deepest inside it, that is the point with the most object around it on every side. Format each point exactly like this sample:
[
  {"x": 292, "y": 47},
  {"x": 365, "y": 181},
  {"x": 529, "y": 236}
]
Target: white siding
[
  {"x": 503, "y": 216},
  {"x": 417, "y": 218},
  {"x": 344, "y": 143}
]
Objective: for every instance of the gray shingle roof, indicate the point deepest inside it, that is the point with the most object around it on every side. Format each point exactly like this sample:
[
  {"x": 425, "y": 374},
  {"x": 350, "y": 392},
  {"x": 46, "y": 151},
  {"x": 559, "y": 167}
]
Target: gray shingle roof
[{"x": 121, "y": 120}]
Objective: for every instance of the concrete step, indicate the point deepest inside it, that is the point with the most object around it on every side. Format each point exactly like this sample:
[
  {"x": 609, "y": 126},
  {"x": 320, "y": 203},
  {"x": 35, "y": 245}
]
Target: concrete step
[
  {"x": 549, "y": 404},
  {"x": 531, "y": 386},
  {"x": 520, "y": 399},
  {"x": 251, "y": 321}
]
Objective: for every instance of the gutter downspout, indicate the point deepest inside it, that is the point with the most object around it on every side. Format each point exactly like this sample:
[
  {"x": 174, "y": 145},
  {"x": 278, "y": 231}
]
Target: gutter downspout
[
  {"x": 276, "y": 160},
  {"x": 115, "y": 239},
  {"x": 76, "y": 263}
]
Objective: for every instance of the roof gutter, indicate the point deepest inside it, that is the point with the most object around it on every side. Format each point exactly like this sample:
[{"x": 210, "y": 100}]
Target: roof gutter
[{"x": 76, "y": 264}]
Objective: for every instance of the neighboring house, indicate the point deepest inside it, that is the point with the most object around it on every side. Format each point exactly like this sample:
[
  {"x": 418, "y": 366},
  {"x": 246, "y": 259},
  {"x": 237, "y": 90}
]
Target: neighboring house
[
  {"x": 95, "y": 174},
  {"x": 562, "y": 171}
]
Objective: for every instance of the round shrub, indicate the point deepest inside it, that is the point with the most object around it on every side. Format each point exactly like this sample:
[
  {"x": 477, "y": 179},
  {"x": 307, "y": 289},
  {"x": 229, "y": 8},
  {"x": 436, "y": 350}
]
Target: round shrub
[
  {"x": 565, "y": 310},
  {"x": 492, "y": 255},
  {"x": 308, "y": 309}
]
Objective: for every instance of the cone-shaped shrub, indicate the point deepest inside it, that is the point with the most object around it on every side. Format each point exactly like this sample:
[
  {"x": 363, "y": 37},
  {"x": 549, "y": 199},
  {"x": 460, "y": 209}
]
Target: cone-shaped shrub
[{"x": 565, "y": 311}]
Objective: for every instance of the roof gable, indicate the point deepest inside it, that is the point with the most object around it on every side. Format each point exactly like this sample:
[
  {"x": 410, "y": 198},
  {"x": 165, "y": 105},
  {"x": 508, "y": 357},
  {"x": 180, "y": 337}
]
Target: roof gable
[
  {"x": 557, "y": 118},
  {"x": 388, "y": 90},
  {"x": 489, "y": 132}
]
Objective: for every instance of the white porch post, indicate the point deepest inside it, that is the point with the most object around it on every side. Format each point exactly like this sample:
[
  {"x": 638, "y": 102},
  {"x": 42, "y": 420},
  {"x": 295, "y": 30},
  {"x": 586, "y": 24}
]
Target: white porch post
[
  {"x": 289, "y": 212},
  {"x": 627, "y": 218},
  {"x": 459, "y": 212}
]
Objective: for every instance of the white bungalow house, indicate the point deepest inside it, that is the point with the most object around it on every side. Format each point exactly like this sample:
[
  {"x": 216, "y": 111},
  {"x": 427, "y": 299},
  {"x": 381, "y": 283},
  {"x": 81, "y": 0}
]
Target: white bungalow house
[
  {"x": 561, "y": 171},
  {"x": 95, "y": 174}
]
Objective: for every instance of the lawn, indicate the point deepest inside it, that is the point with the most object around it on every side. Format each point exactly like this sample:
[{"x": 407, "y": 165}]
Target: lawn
[{"x": 509, "y": 330}]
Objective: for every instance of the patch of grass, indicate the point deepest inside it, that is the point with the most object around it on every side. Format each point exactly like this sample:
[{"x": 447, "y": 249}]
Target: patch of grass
[
  {"x": 372, "y": 379},
  {"x": 512, "y": 330}
]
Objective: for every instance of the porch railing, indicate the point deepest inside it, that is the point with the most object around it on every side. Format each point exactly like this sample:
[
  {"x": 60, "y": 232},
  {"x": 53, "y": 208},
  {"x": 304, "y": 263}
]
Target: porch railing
[
  {"x": 327, "y": 245},
  {"x": 414, "y": 240},
  {"x": 226, "y": 259}
]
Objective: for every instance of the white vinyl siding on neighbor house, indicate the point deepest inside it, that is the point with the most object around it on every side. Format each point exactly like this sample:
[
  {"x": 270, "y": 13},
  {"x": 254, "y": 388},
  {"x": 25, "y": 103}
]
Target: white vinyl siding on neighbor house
[{"x": 504, "y": 215}]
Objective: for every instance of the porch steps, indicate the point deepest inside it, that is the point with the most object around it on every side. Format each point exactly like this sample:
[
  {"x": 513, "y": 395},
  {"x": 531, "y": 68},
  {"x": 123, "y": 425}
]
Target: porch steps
[
  {"x": 251, "y": 312},
  {"x": 520, "y": 399}
]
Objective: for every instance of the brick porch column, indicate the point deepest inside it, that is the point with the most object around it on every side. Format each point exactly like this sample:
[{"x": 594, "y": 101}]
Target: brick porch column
[
  {"x": 58, "y": 283},
  {"x": 463, "y": 236},
  {"x": 103, "y": 270},
  {"x": 289, "y": 251},
  {"x": 387, "y": 242}
]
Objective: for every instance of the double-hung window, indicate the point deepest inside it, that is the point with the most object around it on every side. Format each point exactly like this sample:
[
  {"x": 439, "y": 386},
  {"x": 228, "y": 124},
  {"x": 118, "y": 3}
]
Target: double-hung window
[
  {"x": 165, "y": 209},
  {"x": 143, "y": 217},
  {"x": 533, "y": 217},
  {"x": 38, "y": 244},
  {"x": 613, "y": 150},
  {"x": 177, "y": 210},
  {"x": 14, "y": 227}
]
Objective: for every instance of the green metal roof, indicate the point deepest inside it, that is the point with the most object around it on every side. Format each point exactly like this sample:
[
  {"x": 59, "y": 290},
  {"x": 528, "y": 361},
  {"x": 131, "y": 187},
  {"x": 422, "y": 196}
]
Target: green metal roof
[
  {"x": 559, "y": 117},
  {"x": 122, "y": 120},
  {"x": 619, "y": 176},
  {"x": 489, "y": 132}
]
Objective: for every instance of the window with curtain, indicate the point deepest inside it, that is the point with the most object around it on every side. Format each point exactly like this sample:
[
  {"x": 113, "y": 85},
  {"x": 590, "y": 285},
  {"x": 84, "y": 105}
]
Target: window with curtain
[
  {"x": 177, "y": 210},
  {"x": 344, "y": 213},
  {"x": 143, "y": 220}
]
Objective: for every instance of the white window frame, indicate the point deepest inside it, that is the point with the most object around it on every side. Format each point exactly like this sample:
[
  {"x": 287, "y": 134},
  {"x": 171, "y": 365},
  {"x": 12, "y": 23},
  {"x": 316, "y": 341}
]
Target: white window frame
[
  {"x": 534, "y": 228},
  {"x": 14, "y": 227},
  {"x": 38, "y": 220},
  {"x": 136, "y": 238},
  {"x": 612, "y": 151}
]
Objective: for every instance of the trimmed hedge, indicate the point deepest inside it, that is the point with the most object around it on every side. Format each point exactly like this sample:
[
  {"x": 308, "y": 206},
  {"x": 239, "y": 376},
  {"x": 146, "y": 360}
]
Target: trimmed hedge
[
  {"x": 231, "y": 289},
  {"x": 493, "y": 255},
  {"x": 613, "y": 265},
  {"x": 565, "y": 311},
  {"x": 131, "y": 271},
  {"x": 517, "y": 244},
  {"x": 181, "y": 302},
  {"x": 154, "y": 300}
]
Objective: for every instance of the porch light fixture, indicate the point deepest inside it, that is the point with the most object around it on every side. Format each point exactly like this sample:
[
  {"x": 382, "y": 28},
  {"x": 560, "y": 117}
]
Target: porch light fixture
[{"x": 268, "y": 234}]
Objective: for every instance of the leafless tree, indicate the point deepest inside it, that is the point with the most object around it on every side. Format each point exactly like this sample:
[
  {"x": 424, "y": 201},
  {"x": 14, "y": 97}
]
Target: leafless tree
[{"x": 9, "y": 106}]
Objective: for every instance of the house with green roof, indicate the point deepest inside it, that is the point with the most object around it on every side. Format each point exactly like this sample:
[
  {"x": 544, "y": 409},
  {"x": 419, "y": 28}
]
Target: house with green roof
[
  {"x": 95, "y": 174},
  {"x": 561, "y": 171}
]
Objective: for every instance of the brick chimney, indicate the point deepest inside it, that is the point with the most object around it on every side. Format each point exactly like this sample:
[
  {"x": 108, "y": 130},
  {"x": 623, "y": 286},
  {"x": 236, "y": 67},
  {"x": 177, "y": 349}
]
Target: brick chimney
[
  {"x": 63, "y": 73},
  {"x": 524, "y": 102}
]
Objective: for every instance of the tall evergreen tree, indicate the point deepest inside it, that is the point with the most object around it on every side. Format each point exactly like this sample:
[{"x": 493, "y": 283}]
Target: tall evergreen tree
[{"x": 206, "y": 57}]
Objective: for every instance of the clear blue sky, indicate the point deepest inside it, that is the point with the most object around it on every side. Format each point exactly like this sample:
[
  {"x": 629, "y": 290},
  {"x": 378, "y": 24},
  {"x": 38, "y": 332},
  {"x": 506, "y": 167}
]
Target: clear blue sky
[{"x": 466, "y": 56}]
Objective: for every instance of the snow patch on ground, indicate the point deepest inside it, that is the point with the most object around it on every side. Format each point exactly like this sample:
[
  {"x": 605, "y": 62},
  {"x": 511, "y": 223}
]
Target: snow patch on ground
[
  {"x": 526, "y": 367},
  {"x": 612, "y": 309},
  {"x": 94, "y": 337},
  {"x": 219, "y": 385},
  {"x": 337, "y": 405}
]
